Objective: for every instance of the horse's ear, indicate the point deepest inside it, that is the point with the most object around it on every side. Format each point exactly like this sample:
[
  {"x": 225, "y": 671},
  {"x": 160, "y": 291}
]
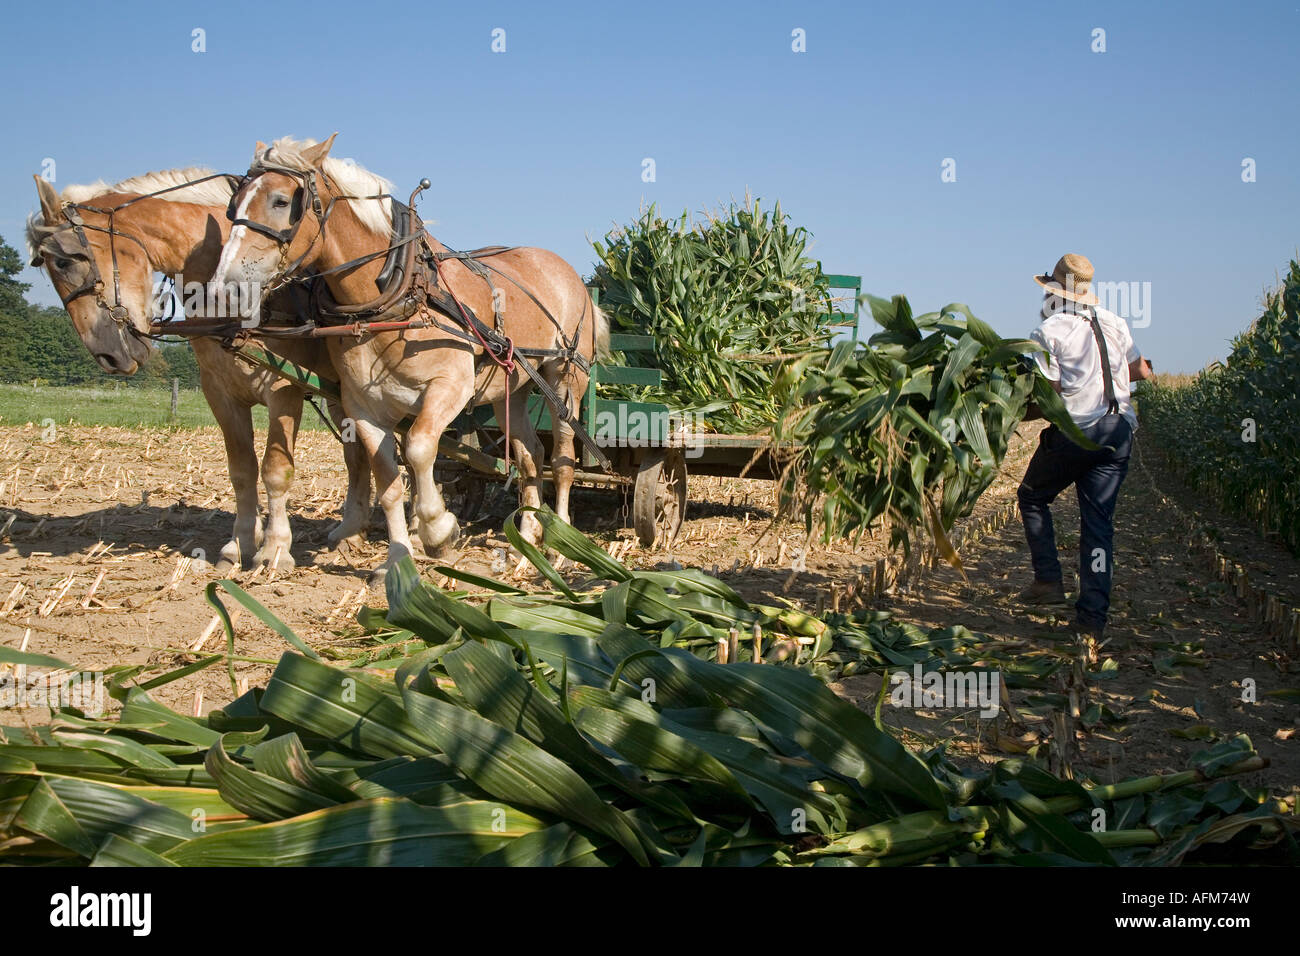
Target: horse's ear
[
  {"x": 316, "y": 154},
  {"x": 50, "y": 205}
]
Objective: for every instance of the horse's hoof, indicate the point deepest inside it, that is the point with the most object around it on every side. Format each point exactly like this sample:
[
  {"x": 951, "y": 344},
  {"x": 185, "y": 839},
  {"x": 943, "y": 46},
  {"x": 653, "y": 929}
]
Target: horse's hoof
[
  {"x": 377, "y": 578},
  {"x": 284, "y": 563},
  {"x": 349, "y": 545},
  {"x": 339, "y": 535},
  {"x": 442, "y": 531},
  {"x": 229, "y": 561},
  {"x": 448, "y": 549}
]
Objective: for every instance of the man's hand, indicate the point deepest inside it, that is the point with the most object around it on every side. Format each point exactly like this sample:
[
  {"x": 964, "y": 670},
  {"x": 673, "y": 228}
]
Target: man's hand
[{"x": 1139, "y": 370}]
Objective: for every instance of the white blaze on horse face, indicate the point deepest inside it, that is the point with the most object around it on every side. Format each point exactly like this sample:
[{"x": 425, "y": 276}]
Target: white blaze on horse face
[{"x": 251, "y": 274}]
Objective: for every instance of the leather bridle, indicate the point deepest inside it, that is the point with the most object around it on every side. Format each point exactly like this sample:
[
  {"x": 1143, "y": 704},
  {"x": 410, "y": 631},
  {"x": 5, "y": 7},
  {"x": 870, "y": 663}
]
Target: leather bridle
[
  {"x": 95, "y": 285},
  {"x": 307, "y": 192}
]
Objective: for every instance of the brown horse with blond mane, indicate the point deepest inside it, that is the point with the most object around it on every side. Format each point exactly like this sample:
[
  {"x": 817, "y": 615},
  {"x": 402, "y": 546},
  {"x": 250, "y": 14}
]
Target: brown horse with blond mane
[
  {"x": 299, "y": 212},
  {"x": 174, "y": 222}
]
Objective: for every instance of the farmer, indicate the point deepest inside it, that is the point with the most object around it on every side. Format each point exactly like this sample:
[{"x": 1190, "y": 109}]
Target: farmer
[{"x": 1091, "y": 360}]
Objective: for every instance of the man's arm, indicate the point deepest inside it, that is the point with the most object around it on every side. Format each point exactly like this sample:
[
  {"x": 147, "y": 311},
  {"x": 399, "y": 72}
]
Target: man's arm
[
  {"x": 1046, "y": 368},
  {"x": 1138, "y": 367}
]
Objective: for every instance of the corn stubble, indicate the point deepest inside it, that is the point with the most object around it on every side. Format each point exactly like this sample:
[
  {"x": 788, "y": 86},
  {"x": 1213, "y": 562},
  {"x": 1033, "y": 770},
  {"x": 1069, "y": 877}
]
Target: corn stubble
[{"x": 590, "y": 725}]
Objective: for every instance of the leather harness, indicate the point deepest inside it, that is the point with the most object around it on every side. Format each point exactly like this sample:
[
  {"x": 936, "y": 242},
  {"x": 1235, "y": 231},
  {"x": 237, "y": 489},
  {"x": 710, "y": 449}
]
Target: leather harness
[{"x": 411, "y": 295}]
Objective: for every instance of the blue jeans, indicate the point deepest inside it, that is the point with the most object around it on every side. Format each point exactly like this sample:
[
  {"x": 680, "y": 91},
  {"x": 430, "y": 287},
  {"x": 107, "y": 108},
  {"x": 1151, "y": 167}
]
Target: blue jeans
[{"x": 1096, "y": 475}]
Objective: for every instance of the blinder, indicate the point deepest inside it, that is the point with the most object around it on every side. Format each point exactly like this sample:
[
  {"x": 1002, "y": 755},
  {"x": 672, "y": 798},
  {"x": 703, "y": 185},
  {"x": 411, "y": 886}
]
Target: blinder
[{"x": 308, "y": 188}]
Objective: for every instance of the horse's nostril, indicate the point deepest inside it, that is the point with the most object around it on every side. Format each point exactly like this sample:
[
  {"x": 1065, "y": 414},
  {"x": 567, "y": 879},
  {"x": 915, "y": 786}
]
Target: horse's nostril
[{"x": 107, "y": 360}]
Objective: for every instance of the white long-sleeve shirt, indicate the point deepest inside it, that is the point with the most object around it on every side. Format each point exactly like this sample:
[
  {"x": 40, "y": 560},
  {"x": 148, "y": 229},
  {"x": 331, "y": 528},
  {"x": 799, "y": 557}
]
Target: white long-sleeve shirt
[{"x": 1075, "y": 361}]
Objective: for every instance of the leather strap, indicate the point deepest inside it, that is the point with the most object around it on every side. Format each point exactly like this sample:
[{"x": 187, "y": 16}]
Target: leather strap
[{"x": 1112, "y": 405}]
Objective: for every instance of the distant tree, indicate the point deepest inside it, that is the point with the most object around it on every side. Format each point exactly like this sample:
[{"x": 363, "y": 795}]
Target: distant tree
[
  {"x": 181, "y": 363},
  {"x": 53, "y": 352}
]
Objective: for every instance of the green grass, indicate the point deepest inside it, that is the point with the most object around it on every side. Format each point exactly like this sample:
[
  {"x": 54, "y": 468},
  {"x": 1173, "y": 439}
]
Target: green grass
[{"x": 120, "y": 406}]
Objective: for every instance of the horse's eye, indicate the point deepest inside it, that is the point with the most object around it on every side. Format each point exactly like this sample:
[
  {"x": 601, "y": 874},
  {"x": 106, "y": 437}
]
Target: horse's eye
[
  {"x": 63, "y": 263},
  {"x": 280, "y": 202}
]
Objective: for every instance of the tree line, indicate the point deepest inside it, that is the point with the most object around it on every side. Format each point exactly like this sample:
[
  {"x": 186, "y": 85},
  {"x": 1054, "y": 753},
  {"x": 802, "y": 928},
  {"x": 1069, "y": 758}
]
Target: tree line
[{"x": 39, "y": 344}]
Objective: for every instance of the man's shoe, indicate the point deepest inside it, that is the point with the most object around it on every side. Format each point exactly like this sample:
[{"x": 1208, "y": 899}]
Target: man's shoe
[{"x": 1043, "y": 592}]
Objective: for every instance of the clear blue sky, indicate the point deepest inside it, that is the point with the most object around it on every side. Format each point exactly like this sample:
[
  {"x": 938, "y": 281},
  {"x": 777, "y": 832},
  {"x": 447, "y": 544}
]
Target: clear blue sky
[{"x": 1132, "y": 156}]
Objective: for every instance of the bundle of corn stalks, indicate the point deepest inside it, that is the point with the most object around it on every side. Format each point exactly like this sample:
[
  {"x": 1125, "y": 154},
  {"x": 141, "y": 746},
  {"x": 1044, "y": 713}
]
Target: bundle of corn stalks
[
  {"x": 910, "y": 430},
  {"x": 723, "y": 299},
  {"x": 519, "y": 733}
]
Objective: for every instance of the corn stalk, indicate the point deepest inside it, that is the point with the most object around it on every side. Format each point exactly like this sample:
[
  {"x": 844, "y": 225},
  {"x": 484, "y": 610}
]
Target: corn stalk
[
  {"x": 723, "y": 298},
  {"x": 910, "y": 430}
]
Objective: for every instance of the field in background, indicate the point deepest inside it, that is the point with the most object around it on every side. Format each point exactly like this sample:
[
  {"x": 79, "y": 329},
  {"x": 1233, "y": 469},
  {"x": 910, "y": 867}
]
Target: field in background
[{"x": 119, "y": 406}]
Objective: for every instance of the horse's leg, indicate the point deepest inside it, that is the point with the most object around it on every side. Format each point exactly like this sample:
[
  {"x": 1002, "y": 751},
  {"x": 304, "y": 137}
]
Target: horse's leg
[
  {"x": 442, "y": 402},
  {"x": 381, "y": 447},
  {"x": 413, "y": 518},
  {"x": 563, "y": 450},
  {"x": 236, "y": 423},
  {"x": 527, "y": 450},
  {"x": 284, "y": 414},
  {"x": 350, "y": 532}
]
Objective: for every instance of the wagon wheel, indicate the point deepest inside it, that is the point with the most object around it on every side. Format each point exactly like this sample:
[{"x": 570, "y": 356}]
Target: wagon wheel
[{"x": 659, "y": 498}]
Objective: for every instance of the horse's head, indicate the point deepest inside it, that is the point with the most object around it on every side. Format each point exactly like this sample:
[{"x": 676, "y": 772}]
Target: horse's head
[
  {"x": 102, "y": 275},
  {"x": 277, "y": 215}
]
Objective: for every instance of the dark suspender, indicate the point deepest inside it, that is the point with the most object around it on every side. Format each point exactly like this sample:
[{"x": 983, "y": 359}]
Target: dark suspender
[{"x": 1112, "y": 406}]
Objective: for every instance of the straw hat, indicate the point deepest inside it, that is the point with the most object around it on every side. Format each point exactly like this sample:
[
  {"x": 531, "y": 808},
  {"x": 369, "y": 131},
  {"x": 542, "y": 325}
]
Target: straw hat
[{"x": 1071, "y": 279}]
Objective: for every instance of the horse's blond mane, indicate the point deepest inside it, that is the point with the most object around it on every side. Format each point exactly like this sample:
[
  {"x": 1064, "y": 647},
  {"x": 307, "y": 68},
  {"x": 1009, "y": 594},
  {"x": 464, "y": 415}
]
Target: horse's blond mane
[
  {"x": 375, "y": 214},
  {"x": 213, "y": 192}
]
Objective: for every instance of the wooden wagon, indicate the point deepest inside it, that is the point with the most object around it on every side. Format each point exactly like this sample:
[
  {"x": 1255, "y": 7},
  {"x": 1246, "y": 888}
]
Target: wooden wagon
[{"x": 649, "y": 451}]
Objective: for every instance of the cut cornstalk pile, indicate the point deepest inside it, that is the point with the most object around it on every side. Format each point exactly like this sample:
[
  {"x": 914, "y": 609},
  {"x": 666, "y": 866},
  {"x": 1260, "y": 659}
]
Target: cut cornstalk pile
[
  {"x": 910, "y": 430},
  {"x": 583, "y": 727},
  {"x": 722, "y": 298}
]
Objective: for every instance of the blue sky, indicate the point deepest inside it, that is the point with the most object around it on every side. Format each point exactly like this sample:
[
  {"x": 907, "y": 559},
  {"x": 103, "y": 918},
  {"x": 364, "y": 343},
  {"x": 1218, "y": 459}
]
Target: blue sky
[{"x": 1132, "y": 157}]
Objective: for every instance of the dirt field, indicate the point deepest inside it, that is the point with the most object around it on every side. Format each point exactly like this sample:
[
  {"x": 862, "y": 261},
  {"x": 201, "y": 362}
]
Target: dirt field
[{"x": 99, "y": 526}]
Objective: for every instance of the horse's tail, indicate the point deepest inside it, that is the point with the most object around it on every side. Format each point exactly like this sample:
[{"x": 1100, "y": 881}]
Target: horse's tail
[{"x": 602, "y": 334}]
